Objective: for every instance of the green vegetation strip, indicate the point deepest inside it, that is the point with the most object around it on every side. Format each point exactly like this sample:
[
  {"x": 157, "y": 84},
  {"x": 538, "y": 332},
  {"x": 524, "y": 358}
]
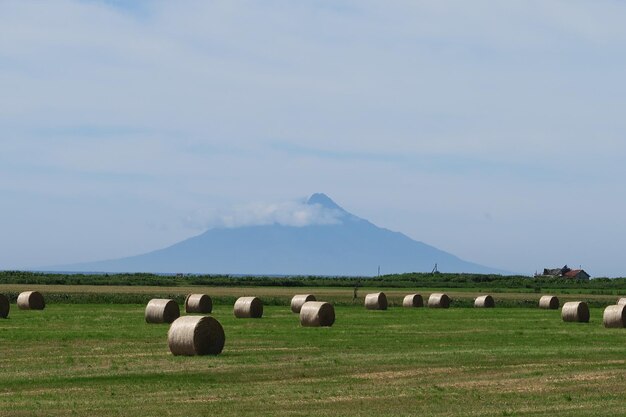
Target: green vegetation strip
[
  {"x": 80, "y": 359},
  {"x": 439, "y": 280}
]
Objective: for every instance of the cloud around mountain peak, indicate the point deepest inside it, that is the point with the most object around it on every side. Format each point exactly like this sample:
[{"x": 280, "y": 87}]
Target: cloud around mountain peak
[{"x": 318, "y": 209}]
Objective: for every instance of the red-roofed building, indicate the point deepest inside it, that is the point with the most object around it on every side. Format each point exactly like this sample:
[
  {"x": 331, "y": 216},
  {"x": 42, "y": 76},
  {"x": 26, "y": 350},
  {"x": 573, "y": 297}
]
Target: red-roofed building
[
  {"x": 576, "y": 274},
  {"x": 565, "y": 272}
]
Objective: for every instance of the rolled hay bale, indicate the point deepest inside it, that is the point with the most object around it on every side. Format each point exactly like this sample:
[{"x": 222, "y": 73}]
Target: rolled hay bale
[
  {"x": 317, "y": 314},
  {"x": 439, "y": 300},
  {"x": 549, "y": 302},
  {"x": 621, "y": 301},
  {"x": 196, "y": 335},
  {"x": 198, "y": 303},
  {"x": 614, "y": 316},
  {"x": 31, "y": 300},
  {"x": 413, "y": 300},
  {"x": 5, "y": 306},
  {"x": 248, "y": 308},
  {"x": 576, "y": 311},
  {"x": 298, "y": 300},
  {"x": 161, "y": 310},
  {"x": 376, "y": 301},
  {"x": 484, "y": 301}
]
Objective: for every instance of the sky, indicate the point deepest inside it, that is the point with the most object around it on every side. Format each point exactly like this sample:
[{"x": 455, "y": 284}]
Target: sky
[{"x": 492, "y": 130}]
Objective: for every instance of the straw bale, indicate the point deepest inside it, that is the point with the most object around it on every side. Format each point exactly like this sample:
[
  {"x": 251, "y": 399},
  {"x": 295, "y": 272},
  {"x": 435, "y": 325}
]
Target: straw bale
[
  {"x": 439, "y": 300},
  {"x": 614, "y": 316},
  {"x": 196, "y": 335},
  {"x": 484, "y": 301},
  {"x": 248, "y": 308},
  {"x": 298, "y": 300},
  {"x": 413, "y": 300},
  {"x": 621, "y": 301},
  {"x": 376, "y": 301},
  {"x": 161, "y": 310},
  {"x": 316, "y": 314},
  {"x": 577, "y": 311},
  {"x": 549, "y": 302},
  {"x": 5, "y": 306},
  {"x": 198, "y": 303},
  {"x": 31, "y": 300}
]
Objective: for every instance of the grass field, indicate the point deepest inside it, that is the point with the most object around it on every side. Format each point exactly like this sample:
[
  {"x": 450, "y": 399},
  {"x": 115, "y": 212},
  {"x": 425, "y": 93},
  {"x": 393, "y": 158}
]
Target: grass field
[{"x": 79, "y": 359}]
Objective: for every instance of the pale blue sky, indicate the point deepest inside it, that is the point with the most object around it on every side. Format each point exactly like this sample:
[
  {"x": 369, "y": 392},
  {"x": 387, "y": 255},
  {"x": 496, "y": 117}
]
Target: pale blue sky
[{"x": 492, "y": 130}]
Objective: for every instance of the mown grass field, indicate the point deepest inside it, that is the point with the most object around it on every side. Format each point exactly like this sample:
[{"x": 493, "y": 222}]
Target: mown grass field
[{"x": 103, "y": 359}]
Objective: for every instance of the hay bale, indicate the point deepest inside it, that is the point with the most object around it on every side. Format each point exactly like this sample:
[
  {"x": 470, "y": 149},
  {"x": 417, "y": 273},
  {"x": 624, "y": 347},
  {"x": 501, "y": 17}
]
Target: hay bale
[
  {"x": 31, "y": 300},
  {"x": 549, "y": 302},
  {"x": 577, "y": 311},
  {"x": 413, "y": 300},
  {"x": 484, "y": 301},
  {"x": 161, "y": 310},
  {"x": 5, "y": 306},
  {"x": 198, "y": 303},
  {"x": 316, "y": 314},
  {"x": 614, "y": 316},
  {"x": 376, "y": 301},
  {"x": 621, "y": 301},
  {"x": 298, "y": 300},
  {"x": 196, "y": 335},
  {"x": 439, "y": 300},
  {"x": 248, "y": 308}
]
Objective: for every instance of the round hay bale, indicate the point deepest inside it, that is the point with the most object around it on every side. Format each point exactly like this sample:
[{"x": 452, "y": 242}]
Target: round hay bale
[
  {"x": 413, "y": 300},
  {"x": 549, "y": 302},
  {"x": 196, "y": 335},
  {"x": 621, "y": 301},
  {"x": 317, "y": 314},
  {"x": 298, "y": 300},
  {"x": 614, "y": 316},
  {"x": 248, "y": 308},
  {"x": 161, "y": 310},
  {"x": 439, "y": 300},
  {"x": 484, "y": 301},
  {"x": 577, "y": 311},
  {"x": 31, "y": 300},
  {"x": 5, "y": 306},
  {"x": 198, "y": 303},
  {"x": 376, "y": 301}
]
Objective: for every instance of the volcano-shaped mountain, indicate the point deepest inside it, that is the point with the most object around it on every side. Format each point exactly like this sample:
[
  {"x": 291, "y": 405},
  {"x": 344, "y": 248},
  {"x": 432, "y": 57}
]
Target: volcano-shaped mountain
[{"x": 347, "y": 245}]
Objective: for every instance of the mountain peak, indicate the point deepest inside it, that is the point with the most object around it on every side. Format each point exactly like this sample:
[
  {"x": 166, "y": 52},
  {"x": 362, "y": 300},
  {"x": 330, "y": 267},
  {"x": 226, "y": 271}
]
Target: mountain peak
[{"x": 324, "y": 201}]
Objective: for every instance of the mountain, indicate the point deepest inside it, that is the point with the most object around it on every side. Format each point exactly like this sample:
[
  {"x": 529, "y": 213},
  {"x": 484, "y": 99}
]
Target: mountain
[{"x": 347, "y": 245}]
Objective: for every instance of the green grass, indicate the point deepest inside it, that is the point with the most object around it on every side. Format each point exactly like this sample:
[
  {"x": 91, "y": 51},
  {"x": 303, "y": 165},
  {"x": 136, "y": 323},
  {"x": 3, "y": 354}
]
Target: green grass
[{"x": 85, "y": 360}]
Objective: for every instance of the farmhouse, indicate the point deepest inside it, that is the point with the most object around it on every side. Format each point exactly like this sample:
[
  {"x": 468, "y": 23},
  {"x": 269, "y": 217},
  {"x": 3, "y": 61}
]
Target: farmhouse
[{"x": 566, "y": 272}]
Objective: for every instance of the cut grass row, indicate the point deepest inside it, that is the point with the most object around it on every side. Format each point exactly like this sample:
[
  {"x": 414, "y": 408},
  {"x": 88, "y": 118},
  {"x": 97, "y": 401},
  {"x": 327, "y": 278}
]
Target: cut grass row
[
  {"x": 83, "y": 359},
  {"x": 97, "y": 294}
]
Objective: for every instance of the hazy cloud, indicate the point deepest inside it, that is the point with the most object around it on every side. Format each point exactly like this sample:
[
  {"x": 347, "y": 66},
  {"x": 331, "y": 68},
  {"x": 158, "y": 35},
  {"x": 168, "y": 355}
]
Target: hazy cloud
[{"x": 288, "y": 213}]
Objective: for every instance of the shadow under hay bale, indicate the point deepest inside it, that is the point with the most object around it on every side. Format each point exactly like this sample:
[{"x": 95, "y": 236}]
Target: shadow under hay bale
[
  {"x": 161, "y": 310},
  {"x": 614, "y": 316},
  {"x": 248, "y": 308},
  {"x": 413, "y": 300},
  {"x": 198, "y": 303},
  {"x": 5, "y": 306},
  {"x": 575, "y": 311},
  {"x": 196, "y": 335},
  {"x": 484, "y": 301},
  {"x": 376, "y": 301},
  {"x": 298, "y": 300},
  {"x": 549, "y": 302},
  {"x": 317, "y": 314},
  {"x": 31, "y": 300},
  {"x": 439, "y": 300}
]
